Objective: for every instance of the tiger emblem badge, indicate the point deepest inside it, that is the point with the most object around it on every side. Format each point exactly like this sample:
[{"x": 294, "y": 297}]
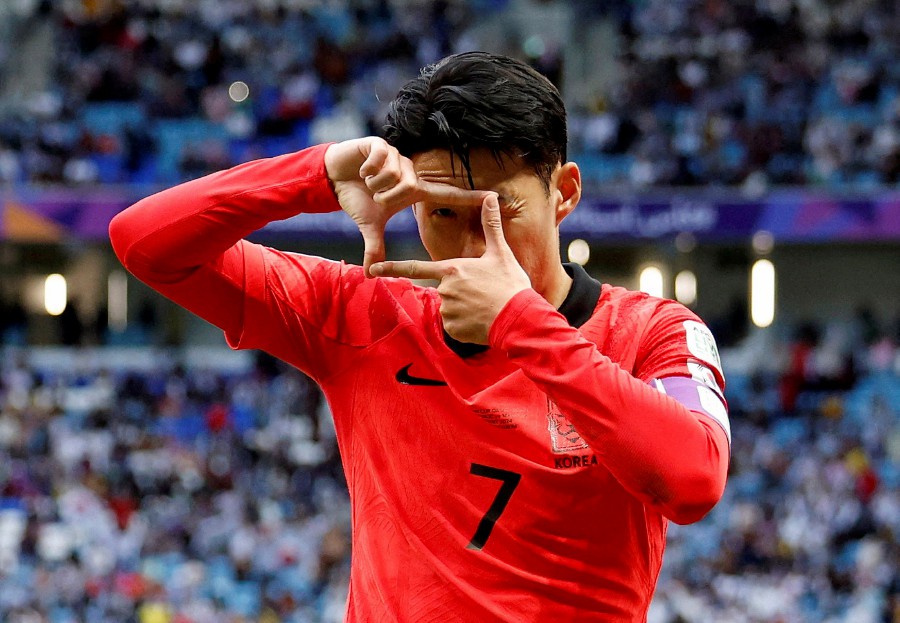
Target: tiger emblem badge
[{"x": 563, "y": 436}]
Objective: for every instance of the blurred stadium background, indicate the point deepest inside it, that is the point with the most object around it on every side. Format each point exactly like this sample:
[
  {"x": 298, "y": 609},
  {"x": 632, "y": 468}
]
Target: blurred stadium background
[{"x": 743, "y": 157}]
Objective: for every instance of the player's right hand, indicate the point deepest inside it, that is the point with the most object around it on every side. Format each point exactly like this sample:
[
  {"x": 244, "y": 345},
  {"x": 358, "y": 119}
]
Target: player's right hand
[{"x": 373, "y": 182}]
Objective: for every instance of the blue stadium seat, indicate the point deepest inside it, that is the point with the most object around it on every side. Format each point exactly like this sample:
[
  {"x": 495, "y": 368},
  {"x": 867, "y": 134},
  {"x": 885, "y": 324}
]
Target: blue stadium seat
[
  {"x": 603, "y": 168},
  {"x": 110, "y": 168},
  {"x": 737, "y": 390},
  {"x": 162, "y": 567},
  {"x": 112, "y": 117},
  {"x": 63, "y": 614},
  {"x": 292, "y": 582},
  {"x": 174, "y": 135},
  {"x": 862, "y": 114},
  {"x": 13, "y": 504},
  {"x": 789, "y": 432},
  {"x": 244, "y": 599}
]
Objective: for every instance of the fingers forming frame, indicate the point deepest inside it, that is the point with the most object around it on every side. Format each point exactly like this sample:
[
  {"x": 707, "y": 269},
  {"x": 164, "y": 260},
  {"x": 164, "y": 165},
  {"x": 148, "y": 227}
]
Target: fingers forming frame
[
  {"x": 492, "y": 224},
  {"x": 411, "y": 269},
  {"x": 393, "y": 182},
  {"x": 375, "y": 159},
  {"x": 439, "y": 193},
  {"x": 401, "y": 192}
]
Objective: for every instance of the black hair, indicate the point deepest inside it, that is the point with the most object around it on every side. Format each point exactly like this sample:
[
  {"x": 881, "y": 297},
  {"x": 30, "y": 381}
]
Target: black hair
[{"x": 478, "y": 100}]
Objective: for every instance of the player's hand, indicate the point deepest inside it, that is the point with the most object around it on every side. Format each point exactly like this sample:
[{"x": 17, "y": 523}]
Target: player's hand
[
  {"x": 473, "y": 290},
  {"x": 373, "y": 182}
]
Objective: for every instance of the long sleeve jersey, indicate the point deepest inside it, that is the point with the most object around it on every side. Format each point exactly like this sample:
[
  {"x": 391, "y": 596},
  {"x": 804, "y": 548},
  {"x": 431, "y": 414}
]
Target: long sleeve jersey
[{"x": 528, "y": 481}]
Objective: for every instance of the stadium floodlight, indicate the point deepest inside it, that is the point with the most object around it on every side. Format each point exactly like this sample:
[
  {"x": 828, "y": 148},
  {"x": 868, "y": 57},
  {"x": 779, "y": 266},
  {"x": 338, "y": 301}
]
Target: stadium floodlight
[
  {"x": 651, "y": 281},
  {"x": 762, "y": 293},
  {"x": 686, "y": 287},
  {"x": 117, "y": 300},
  {"x": 55, "y": 294},
  {"x": 238, "y": 91},
  {"x": 579, "y": 251},
  {"x": 763, "y": 242}
]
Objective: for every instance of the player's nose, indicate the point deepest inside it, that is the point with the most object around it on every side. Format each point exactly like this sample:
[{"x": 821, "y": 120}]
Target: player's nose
[{"x": 472, "y": 242}]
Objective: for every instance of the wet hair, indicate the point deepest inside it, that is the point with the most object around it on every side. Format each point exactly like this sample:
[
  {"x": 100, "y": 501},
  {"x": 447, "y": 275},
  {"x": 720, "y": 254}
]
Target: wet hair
[{"x": 478, "y": 100}]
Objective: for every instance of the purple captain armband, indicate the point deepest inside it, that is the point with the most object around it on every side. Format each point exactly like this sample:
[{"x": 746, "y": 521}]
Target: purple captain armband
[{"x": 696, "y": 396}]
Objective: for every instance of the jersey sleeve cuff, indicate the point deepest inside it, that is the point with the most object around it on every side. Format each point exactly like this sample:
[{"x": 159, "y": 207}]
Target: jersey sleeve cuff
[
  {"x": 512, "y": 313},
  {"x": 318, "y": 192}
]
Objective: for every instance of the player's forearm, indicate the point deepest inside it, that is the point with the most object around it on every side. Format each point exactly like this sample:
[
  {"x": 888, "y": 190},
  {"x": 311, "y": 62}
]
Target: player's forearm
[
  {"x": 669, "y": 457},
  {"x": 164, "y": 237}
]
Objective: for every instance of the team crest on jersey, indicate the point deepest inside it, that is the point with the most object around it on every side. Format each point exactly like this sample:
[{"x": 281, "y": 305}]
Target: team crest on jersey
[{"x": 563, "y": 436}]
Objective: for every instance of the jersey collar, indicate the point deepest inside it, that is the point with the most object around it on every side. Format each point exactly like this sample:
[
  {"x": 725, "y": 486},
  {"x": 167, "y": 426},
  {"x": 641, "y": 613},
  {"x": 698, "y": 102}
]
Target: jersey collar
[{"x": 577, "y": 308}]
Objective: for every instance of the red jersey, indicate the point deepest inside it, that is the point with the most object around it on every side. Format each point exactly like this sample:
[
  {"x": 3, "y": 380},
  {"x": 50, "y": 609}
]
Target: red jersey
[{"x": 528, "y": 481}]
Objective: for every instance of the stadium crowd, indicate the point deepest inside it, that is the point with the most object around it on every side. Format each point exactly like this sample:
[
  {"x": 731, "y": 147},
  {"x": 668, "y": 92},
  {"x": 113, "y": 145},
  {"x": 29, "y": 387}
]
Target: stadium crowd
[
  {"x": 750, "y": 93},
  {"x": 173, "y": 494},
  {"x": 168, "y": 496}
]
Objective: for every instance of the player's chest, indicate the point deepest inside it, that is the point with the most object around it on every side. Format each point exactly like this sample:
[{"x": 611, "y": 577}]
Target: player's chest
[{"x": 430, "y": 409}]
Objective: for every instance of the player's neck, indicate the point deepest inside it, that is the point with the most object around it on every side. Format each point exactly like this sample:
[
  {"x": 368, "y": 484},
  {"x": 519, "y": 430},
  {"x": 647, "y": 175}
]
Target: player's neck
[{"x": 557, "y": 286}]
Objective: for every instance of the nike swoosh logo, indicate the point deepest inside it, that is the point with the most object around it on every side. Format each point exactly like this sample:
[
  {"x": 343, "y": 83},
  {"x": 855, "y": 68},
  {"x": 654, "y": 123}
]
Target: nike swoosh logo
[{"x": 405, "y": 378}]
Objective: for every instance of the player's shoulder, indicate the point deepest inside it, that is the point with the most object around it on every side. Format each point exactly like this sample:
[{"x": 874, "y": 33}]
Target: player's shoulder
[
  {"x": 652, "y": 310},
  {"x": 661, "y": 325}
]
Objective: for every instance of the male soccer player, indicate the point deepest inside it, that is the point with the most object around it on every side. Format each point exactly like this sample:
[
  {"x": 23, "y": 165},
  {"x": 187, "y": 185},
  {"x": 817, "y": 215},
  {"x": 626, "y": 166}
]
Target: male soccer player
[{"x": 514, "y": 440}]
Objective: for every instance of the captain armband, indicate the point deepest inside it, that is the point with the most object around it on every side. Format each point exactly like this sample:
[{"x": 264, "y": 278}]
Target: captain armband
[{"x": 697, "y": 395}]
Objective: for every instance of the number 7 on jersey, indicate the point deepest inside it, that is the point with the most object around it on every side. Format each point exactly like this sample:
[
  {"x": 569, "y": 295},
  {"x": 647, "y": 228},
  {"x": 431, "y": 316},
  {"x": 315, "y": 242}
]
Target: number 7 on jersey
[{"x": 510, "y": 481}]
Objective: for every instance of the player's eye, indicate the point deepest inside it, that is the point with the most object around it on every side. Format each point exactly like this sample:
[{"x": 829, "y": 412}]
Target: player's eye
[{"x": 443, "y": 213}]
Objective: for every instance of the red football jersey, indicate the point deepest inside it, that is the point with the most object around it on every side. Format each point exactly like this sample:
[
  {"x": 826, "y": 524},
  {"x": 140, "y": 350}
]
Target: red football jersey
[{"x": 529, "y": 481}]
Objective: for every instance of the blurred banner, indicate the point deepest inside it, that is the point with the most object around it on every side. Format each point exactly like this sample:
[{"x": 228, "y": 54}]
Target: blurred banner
[{"x": 55, "y": 214}]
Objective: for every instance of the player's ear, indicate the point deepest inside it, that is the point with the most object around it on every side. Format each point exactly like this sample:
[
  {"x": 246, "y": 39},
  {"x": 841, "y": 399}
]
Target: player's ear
[{"x": 565, "y": 189}]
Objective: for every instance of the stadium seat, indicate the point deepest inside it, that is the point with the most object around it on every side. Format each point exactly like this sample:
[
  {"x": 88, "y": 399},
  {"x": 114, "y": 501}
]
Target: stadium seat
[{"x": 112, "y": 117}]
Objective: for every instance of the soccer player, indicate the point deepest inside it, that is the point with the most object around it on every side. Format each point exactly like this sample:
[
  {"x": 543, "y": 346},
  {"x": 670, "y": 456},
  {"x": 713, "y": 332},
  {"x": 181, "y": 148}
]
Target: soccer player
[{"x": 514, "y": 440}]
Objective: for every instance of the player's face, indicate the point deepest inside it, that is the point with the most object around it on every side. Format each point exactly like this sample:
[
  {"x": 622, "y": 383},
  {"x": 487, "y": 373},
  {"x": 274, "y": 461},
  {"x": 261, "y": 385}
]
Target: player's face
[{"x": 530, "y": 213}]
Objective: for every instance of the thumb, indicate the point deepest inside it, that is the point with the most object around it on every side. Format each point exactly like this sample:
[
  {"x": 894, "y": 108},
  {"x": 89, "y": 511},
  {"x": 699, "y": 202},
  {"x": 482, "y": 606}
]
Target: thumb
[
  {"x": 494, "y": 240},
  {"x": 373, "y": 239}
]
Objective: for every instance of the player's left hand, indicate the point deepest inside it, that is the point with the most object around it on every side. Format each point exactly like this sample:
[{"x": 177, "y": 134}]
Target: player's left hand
[{"x": 473, "y": 290}]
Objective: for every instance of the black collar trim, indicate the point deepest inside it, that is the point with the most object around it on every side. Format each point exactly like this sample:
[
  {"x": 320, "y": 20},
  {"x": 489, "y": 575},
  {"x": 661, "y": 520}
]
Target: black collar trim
[
  {"x": 581, "y": 301},
  {"x": 577, "y": 307}
]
